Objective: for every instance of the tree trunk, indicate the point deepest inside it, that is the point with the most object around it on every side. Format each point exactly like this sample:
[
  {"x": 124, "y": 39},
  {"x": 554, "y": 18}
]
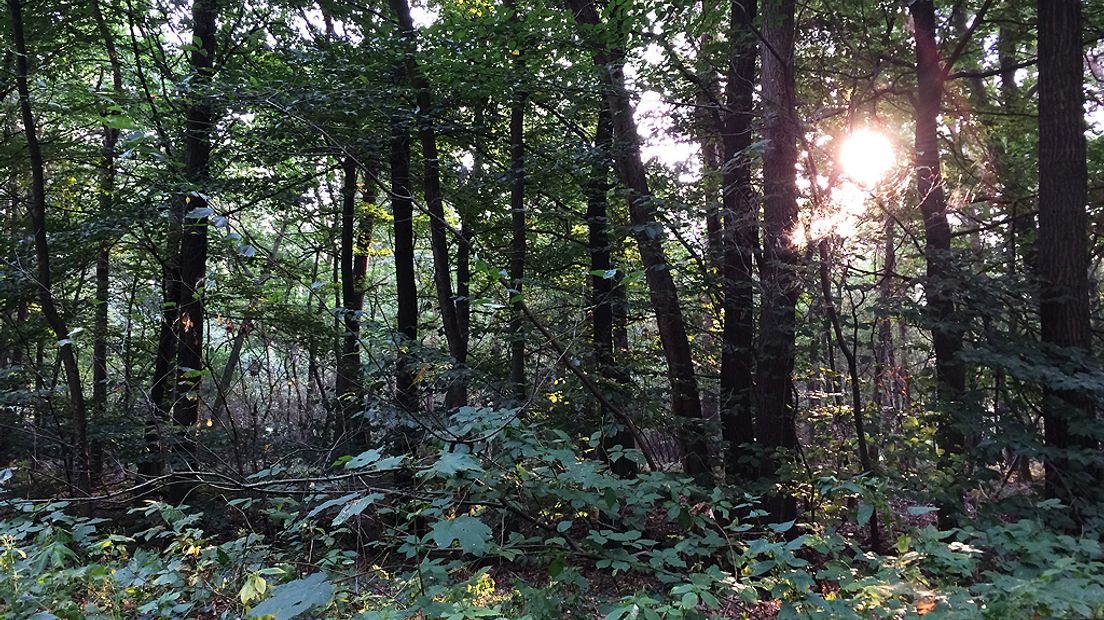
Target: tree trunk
[
  {"x": 518, "y": 241},
  {"x": 939, "y": 287},
  {"x": 1064, "y": 308},
  {"x": 602, "y": 288},
  {"x": 199, "y": 124},
  {"x": 775, "y": 424},
  {"x": 347, "y": 383},
  {"x": 402, "y": 209},
  {"x": 103, "y": 254},
  {"x": 740, "y": 243},
  {"x": 54, "y": 319},
  {"x": 457, "y": 395},
  {"x": 649, "y": 233}
]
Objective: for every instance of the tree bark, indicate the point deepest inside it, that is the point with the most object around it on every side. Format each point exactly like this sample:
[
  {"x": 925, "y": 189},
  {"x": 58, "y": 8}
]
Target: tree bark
[
  {"x": 199, "y": 125},
  {"x": 775, "y": 424},
  {"x": 457, "y": 395},
  {"x": 940, "y": 283},
  {"x": 54, "y": 319},
  {"x": 1064, "y": 308},
  {"x": 740, "y": 234},
  {"x": 649, "y": 233},
  {"x": 402, "y": 210},
  {"x": 347, "y": 383}
]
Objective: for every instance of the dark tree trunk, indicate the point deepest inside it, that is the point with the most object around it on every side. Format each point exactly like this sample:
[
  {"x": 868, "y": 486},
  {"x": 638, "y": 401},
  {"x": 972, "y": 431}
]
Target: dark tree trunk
[
  {"x": 518, "y": 241},
  {"x": 402, "y": 210},
  {"x": 457, "y": 395},
  {"x": 649, "y": 233},
  {"x": 602, "y": 289},
  {"x": 348, "y": 386},
  {"x": 103, "y": 254},
  {"x": 775, "y": 424},
  {"x": 939, "y": 287},
  {"x": 54, "y": 319},
  {"x": 741, "y": 241},
  {"x": 199, "y": 125},
  {"x": 1064, "y": 307}
]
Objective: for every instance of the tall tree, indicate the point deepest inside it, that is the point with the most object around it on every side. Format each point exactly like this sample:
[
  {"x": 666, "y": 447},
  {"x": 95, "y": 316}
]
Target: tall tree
[
  {"x": 518, "y": 101},
  {"x": 775, "y": 424},
  {"x": 106, "y": 204},
  {"x": 648, "y": 232},
  {"x": 402, "y": 211},
  {"x": 198, "y": 130},
  {"x": 740, "y": 234},
  {"x": 1063, "y": 258},
  {"x": 940, "y": 282},
  {"x": 431, "y": 186},
  {"x": 348, "y": 385},
  {"x": 54, "y": 319}
]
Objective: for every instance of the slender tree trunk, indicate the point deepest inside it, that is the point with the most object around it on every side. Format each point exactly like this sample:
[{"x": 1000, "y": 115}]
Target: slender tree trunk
[
  {"x": 939, "y": 287},
  {"x": 457, "y": 394},
  {"x": 775, "y": 424},
  {"x": 103, "y": 254},
  {"x": 347, "y": 384},
  {"x": 740, "y": 243},
  {"x": 54, "y": 319},
  {"x": 518, "y": 240},
  {"x": 602, "y": 287},
  {"x": 649, "y": 233},
  {"x": 402, "y": 209},
  {"x": 852, "y": 374},
  {"x": 1064, "y": 309}
]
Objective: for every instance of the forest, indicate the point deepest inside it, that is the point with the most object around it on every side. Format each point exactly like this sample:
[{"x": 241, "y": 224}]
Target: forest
[{"x": 543, "y": 309}]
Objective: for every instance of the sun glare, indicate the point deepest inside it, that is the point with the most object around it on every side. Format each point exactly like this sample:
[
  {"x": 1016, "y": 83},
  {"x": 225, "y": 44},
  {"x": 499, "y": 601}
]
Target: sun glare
[{"x": 866, "y": 156}]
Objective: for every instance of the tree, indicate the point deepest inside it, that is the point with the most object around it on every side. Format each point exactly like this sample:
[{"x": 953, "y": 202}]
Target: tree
[
  {"x": 741, "y": 241},
  {"x": 1068, "y": 415},
  {"x": 44, "y": 276},
  {"x": 775, "y": 424},
  {"x": 685, "y": 398},
  {"x": 940, "y": 284}
]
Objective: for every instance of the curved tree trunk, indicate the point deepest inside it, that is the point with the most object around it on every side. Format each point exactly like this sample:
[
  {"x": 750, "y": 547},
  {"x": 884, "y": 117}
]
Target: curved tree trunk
[
  {"x": 54, "y": 319},
  {"x": 649, "y": 233},
  {"x": 938, "y": 289}
]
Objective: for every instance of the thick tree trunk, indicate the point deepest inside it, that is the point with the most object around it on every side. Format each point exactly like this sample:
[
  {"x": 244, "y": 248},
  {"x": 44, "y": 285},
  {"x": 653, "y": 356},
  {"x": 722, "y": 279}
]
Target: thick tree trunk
[
  {"x": 54, "y": 319},
  {"x": 199, "y": 125},
  {"x": 939, "y": 287},
  {"x": 402, "y": 209},
  {"x": 740, "y": 243},
  {"x": 775, "y": 423},
  {"x": 1063, "y": 257},
  {"x": 649, "y": 233}
]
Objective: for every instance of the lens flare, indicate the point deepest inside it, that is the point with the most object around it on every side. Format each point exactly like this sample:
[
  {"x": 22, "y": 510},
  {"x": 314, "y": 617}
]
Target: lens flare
[{"x": 866, "y": 157}]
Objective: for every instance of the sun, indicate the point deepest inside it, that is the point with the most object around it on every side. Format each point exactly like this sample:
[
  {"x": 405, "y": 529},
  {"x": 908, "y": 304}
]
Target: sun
[{"x": 866, "y": 156}]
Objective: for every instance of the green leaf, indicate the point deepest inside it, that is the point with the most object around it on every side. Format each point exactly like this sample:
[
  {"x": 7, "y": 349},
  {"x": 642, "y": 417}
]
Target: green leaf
[
  {"x": 921, "y": 510},
  {"x": 452, "y": 463},
  {"x": 353, "y": 509},
  {"x": 473, "y": 535},
  {"x": 295, "y": 598},
  {"x": 865, "y": 512}
]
